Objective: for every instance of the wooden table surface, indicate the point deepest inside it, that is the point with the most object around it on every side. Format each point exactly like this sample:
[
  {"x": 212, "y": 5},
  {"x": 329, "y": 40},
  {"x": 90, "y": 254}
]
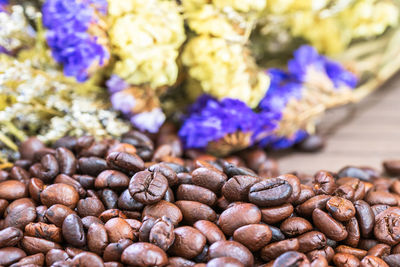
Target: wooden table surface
[{"x": 369, "y": 134}]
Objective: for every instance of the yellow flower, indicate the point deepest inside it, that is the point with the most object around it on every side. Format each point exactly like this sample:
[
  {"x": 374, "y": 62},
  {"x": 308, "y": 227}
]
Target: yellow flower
[{"x": 224, "y": 69}]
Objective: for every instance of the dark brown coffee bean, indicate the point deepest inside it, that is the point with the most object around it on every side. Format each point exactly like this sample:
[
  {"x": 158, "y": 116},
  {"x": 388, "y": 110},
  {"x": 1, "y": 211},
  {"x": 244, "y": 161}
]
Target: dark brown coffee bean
[
  {"x": 106, "y": 215},
  {"x": 115, "y": 180},
  {"x": 392, "y": 167},
  {"x": 345, "y": 191},
  {"x": 253, "y": 236},
  {"x": 311, "y": 241},
  {"x": 387, "y": 226},
  {"x": 54, "y": 255},
  {"x": 392, "y": 260},
  {"x": 372, "y": 261},
  {"x": 57, "y": 213},
  {"x": 376, "y": 209},
  {"x": 122, "y": 147},
  {"x": 210, "y": 231},
  {"x": 59, "y": 194},
  {"x": 33, "y": 245},
  {"x": 319, "y": 261},
  {"x": 210, "y": 178},
  {"x": 329, "y": 226},
  {"x": 87, "y": 259},
  {"x": 28, "y": 148},
  {"x": 68, "y": 142},
  {"x": 274, "y": 250},
  {"x": 32, "y": 260},
  {"x": 365, "y": 217},
  {"x": 324, "y": 183},
  {"x": 19, "y": 174},
  {"x": 162, "y": 233},
  {"x": 231, "y": 249},
  {"x": 189, "y": 242},
  {"x": 292, "y": 258},
  {"x": 359, "y": 253},
  {"x": 270, "y": 192},
  {"x": 130, "y": 163},
  {"x": 118, "y": 229},
  {"x": 306, "y": 192},
  {"x": 340, "y": 208},
  {"x": 12, "y": 190},
  {"x": 10, "y": 236},
  {"x": 114, "y": 250},
  {"x": 97, "y": 238},
  {"x": 380, "y": 197},
  {"x": 144, "y": 254},
  {"x": 237, "y": 216},
  {"x": 148, "y": 187},
  {"x": 65, "y": 179},
  {"x": 46, "y": 170},
  {"x": 43, "y": 152},
  {"x": 43, "y": 230},
  {"x": 169, "y": 195},
  {"x": 35, "y": 188},
  {"x": 353, "y": 231},
  {"x": 96, "y": 149},
  {"x": 126, "y": 202},
  {"x": 109, "y": 199},
  {"x": 295, "y": 226},
  {"x": 295, "y": 184},
  {"x": 193, "y": 211},
  {"x": 179, "y": 262},
  {"x": 196, "y": 193},
  {"x": 3, "y": 206},
  {"x": 10, "y": 255},
  {"x": 327, "y": 252},
  {"x": 308, "y": 206},
  {"x": 92, "y": 166},
  {"x": 166, "y": 171},
  {"x": 164, "y": 208},
  {"x": 355, "y": 172},
  {"x": 19, "y": 213},
  {"x": 66, "y": 161},
  {"x": 237, "y": 188},
  {"x": 346, "y": 260},
  {"x": 273, "y": 215},
  {"x": 379, "y": 250},
  {"x": 86, "y": 181},
  {"x": 90, "y": 206},
  {"x": 277, "y": 235},
  {"x": 73, "y": 232},
  {"x": 184, "y": 178}
]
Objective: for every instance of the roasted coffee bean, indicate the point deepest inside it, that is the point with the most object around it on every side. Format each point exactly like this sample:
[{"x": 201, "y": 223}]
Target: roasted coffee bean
[
  {"x": 379, "y": 250},
  {"x": 376, "y": 209},
  {"x": 162, "y": 233},
  {"x": 126, "y": 202},
  {"x": 66, "y": 161},
  {"x": 233, "y": 170},
  {"x": 148, "y": 187},
  {"x": 367, "y": 243},
  {"x": 225, "y": 261},
  {"x": 196, "y": 193},
  {"x": 193, "y": 211},
  {"x": 346, "y": 260},
  {"x": 274, "y": 250},
  {"x": 276, "y": 214},
  {"x": 114, "y": 250},
  {"x": 392, "y": 167},
  {"x": 122, "y": 147},
  {"x": 355, "y": 172},
  {"x": 57, "y": 213},
  {"x": 340, "y": 208},
  {"x": 87, "y": 259},
  {"x": 184, "y": 178},
  {"x": 28, "y": 148},
  {"x": 90, "y": 206},
  {"x": 231, "y": 249},
  {"x": 327, "y": 253},
  {"x": 353, "y": 231},
  {"x": 118, "y": 229},
  {"x": 329, "y": 226},
  {"x": 97, "y": 238},
  {"x": 277, "y": 235},
  {"x": 19, "y": 213},
  {"x": 295, "y": 184},
  {"x": 47, "y": 169},
  {"x": 237, "y": 188},
  {"x": 65, "y": 179},
  {"x": 86, "y": 181},
  {"x": 169, "y": 195},
  {"x": 307, "y": 208},
  {"x": 345, "y": 191},
  {"x": 270, "y": 192},
  {"x": 59, "y": 194},
  {"x": 92, "y": 166},
  {"x": 253, "y": 236},
  {"x": 319, "y": 261},
  {"x": 123, "y": 161},
  {"x": 189, "y": 242},
  {"x": 144, "y": 254},
  {"x": 32, "y": 260},
  {"x": 295, "y": 226},
  {"x": 68, "y": 142},
  {"x": 311, "y": 241},
  {"x": 210, "y": 178},
  {"x": 19, "y": 174},
  {"x": 292, "y": 258},
  {"x": 210, "y": 230},
  {"x": 43, "y": 230},
  {"x": 33, "y": 245},
  {"x": 10, "y": 255},
  {"x": 73, "y": 232},
  {"x": 306, "y": 192},
  {"x": 163, "y": 208},
  {"x": 54, "y": 255},
  {"x": 392, "y": 260},
  {"x": 166, "y": 171},
  {"x": 372, "y": 261},
  {"x": 380, "y": 197},
  {"x": 10, "y": 236},
  {"x": 179, "y": 262},
  {"x": 387, "y": 226},
  {"x": 12, "y": 189},
  {"x": 96, "y": 149},
  {"x": 324, "y": 183},
  {"x": 237, "y": 216},
  {"x": 89, "y": 220},
  {"x": 109, "y": 198},
  {"x": 115, "y": 180},
  {"x": 3, "y": 206},
  {"x": 359, "y": 253},
  {"x": 365, "y": 217}
]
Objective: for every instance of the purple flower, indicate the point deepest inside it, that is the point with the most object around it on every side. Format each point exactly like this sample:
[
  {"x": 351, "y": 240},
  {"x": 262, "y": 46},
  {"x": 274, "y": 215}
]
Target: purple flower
[
  {"x": 3, "y": 4},
  {"x": 149, "y": 121},
  {"x": 124, "y": 102},
  {"x": 116, "y": 84}
]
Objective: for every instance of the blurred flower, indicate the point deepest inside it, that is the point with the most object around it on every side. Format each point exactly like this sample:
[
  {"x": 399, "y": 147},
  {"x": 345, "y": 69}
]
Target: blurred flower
[{"x": 75, "y": 35}]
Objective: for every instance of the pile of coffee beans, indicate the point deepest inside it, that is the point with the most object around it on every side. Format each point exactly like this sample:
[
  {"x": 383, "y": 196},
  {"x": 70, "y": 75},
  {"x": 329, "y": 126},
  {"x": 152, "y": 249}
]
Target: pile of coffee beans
[{"x": 133, "y": 203}]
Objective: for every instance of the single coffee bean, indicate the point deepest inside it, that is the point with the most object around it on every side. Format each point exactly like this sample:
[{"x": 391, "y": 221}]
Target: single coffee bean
[
  {"x": 87, "y": 259},
  {"x": 65, "y": 179},
  {"x": 10, "y": 255},
  {"x": 355, "y": 172},
  {"x": 73, "y": 232},
  {"x": 329, "y": 226},
  {"x": 193, "y": 211},
  {"x": 307, "y": 208},
  {"x": 96, "y": 149},
  {"x": 54, "y": 255},
  {"x": 392, "y": 167},
  {"x": 162, "y": 233},
  {"x": 179, "y": 262},
  {"x": 59, "y": 194},
  {"x": 169, "y": 195},
  {"x": 57, "y": 213},
  {"x": 270, "y": 192},
  {"x": 43, "y": 230},
  {"x": 365, "y": 217},
  {"x": 3, "y": 206},
  {"x": 277, "y": 235},
  {"x": 345, "y": 191},
  {"x": 184, "y": 178},
  {"x": 32, "y": 260},
  {"x": 346, "y": 260},
  {"x": 144, "y": 254},
  {"x": 126, "y": 202},
  {"x": 163, "y": 208},
  {"x": 68, "y": 142},
  {"x": 319, "y": 261},
  {"x": 97, "y": 238},
  {"x": 292, "y": 258},
  {"x": 372, "y": 261},
  {"x": 114, "y": 250},
  {"x": 92, "y": 166},
  {"x": 306, "y": 192},
  {"x": 379, "y": 250},
  {"x": 166, "y": 171},
  {"x": 367, "y": 244},
  {"x": 130, "y": 163},
  {"x": 12, "y": 189},
  {"x": 90, "y": 206},
  {"x": 28, "y": 148},
  {"x": 295, "y": 184},
  {"x": 148, "y": 187},
  {"x": 86, "y": 181},
  {"x": 253, "y": 236},
  {"x": 233, "y": 169},
  {"x": 224, "y": 261},
  {"x": 237, "y": 188},
  {"x": 19, "y": 213},
  {"x": 353, "y": 231},
  {"x": 66, "y": 161},
  {"x": 237, "y": 216},
  {"x": 72, "y": 251},
  {"x": 122, "y": 147},
  {"x": 47, "y": 169},
  {"x": 189, "y": 242},
  {"x": 359, "y": 253},
  {"x": 387, "y": 226},
  {"x": 115, "y": 180},
  {"x": 327, "y": 252},
  {"x": 231, "y": 249},
  {"x": 211, "y": 231},
  {"x": 210, "y": 178},
  {"x": 376, "y": 209},
  {"x": 324, "y": 183},
  {"x": 10, "y": 236},
  {"x": 118, "y": 229},
  {"x": 273, "y": 215},
  {"x": 19, "y": 174},
  {"x": 340, "y": 208},
  {"x": 380, "y": 197},
  {"x": 109, "y": 198},
  {"x": 392, "y": 260},
  {"x": 33, "y": 245},
  {"x": 295, "y": 226},
  {"x": 196, "y": 193},
  {"x": 274, "y": 250},
  {"x": 311, "y": 241}
]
